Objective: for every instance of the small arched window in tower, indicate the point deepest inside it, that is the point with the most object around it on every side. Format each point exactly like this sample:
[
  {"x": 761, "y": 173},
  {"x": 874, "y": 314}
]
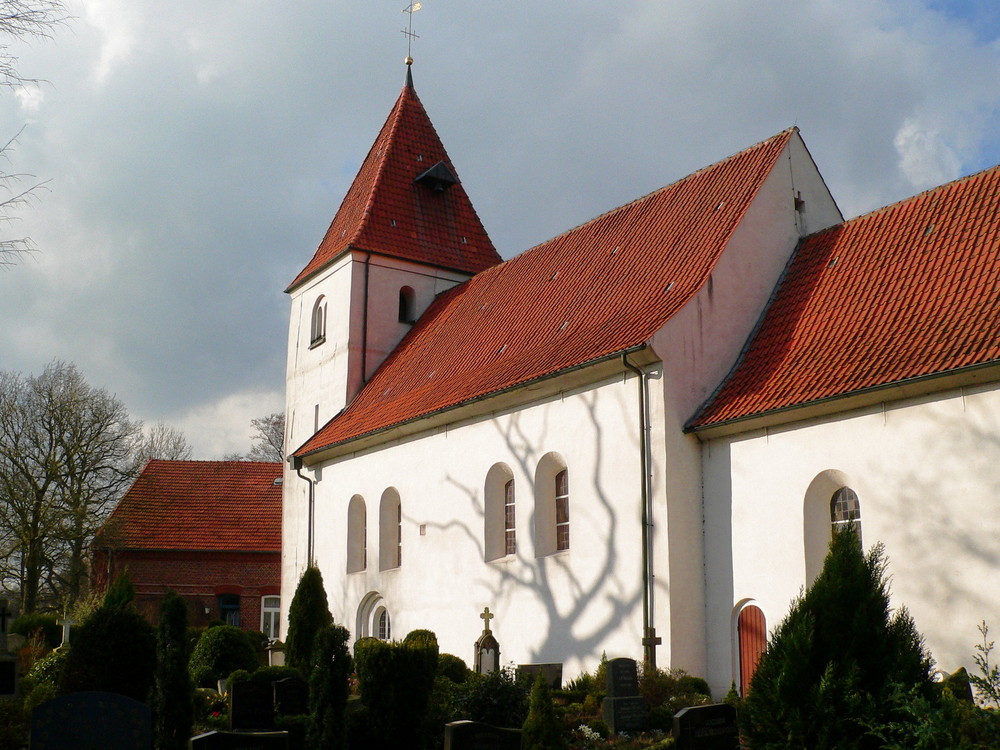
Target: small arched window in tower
[
  {"x": 562, "y": 510},
  {"x": 384, "y": 624},
  {"x": 845, "y": 509},
  {"x": 317, "y": 331},
  {"x": 509, "y": 533},
  {"x": 407, "y": 305}
]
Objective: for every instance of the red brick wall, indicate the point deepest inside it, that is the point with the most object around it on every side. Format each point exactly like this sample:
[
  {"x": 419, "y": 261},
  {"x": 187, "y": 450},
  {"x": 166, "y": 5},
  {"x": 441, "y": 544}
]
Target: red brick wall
[{"x": 199, "y": 577}]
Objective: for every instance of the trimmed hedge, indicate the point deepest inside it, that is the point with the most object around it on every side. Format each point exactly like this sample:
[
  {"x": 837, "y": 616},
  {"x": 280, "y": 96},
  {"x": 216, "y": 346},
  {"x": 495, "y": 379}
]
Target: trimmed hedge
[{"x": 220, "y": 651}]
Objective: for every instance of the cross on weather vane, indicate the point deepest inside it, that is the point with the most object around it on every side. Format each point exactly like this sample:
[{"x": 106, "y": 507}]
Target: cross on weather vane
[{"x": 408, "y": 31}]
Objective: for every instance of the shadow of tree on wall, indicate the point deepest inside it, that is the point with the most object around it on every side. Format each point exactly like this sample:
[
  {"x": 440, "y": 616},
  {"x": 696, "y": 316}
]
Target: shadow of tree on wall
[{"x": 602, "y": 589}]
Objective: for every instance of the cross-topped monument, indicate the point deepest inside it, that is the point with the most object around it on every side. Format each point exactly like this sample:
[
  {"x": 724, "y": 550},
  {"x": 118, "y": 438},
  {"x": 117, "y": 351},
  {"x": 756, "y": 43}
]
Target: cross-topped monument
[
  {"x": 486, "y": 616},
  {"x": 486, "y": 658}
]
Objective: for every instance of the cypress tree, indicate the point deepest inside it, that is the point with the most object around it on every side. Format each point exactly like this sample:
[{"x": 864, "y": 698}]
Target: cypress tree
[
  {"x": 307, "y": 615},
  {"x": 328, "y": 688},
  {"x": 173, "y": 688},
  {"x": 541, "y": 730},
  {"x": 832, "y": 665}
]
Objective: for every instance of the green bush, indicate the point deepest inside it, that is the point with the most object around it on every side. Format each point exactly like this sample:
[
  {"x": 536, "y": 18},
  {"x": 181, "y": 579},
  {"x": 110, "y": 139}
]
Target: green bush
[
  {"x": 114, "y": 650},
  {"x": 220, "y": 651},
  {"x": 542, "y": 730},
  {"x": 26, "y": 625},
  {"x": 49, "y": 669},
  {"x": 495, "y": 698},
  {"x": 452, "y": 667},
  {"x": 834, "y": 663},
  {"x": 307, "y": 615},
  {"x": 328, "y": 688},
  {"x": 173, "y": 707}
]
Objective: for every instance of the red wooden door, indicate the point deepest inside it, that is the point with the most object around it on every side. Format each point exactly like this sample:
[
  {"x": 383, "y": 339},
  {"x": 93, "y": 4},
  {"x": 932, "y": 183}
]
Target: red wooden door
[{"x": 752, "y": 634}]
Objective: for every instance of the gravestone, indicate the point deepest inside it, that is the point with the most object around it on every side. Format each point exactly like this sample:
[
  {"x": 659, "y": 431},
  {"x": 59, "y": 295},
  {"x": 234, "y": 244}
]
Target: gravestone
[
  {"x": 8, "y": 663},
  {"x": 551, "y": 673},
  {"x": 91, "y": 720},
  {"x": 251, "y": 706},
  {"x": 291, "y": 696},
  {"x": 240, "y": 741},
  {"x": 624, "y": 710},
  {"x": 473, "y": 735},
  {"x": 711, "y": 727},
  {"x": 486, "y": 657}
]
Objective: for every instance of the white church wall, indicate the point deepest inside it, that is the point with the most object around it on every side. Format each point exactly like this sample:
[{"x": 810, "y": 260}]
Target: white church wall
[
  {"x": 925, "y": 473},
  {"x": 566, "y": 606}
]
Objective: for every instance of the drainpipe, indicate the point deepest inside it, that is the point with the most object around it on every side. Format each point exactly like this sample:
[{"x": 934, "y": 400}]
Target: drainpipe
[
  {"x": 364, "y": 324},
  {"x": 297, "y": 465},
  {"x": 649, "y": 639}
]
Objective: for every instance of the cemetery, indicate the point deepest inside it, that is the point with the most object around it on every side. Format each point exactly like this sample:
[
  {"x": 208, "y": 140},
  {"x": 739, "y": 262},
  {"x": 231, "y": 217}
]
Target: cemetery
[{"x": 113, "y": 681}]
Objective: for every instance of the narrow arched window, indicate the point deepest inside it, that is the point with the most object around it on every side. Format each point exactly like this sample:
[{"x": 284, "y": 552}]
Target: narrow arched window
[
  {"x": 751, "y": 629},
  {"x": 390, "y": 522},
  {"x": 562, "y": 510},
  {"x": 384, "y": 624},
  {"x": 357, "y": 535},
  {"x": 498, "y": 518},
  {"x": 845, "y": 508},
  {"x": 317, "y": 333},
  {"x": 407, "y": 307}
]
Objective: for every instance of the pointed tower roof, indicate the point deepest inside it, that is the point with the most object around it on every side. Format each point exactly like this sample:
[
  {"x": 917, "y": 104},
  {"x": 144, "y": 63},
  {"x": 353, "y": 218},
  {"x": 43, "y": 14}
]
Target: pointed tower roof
[{"x": 407, "y": 202}]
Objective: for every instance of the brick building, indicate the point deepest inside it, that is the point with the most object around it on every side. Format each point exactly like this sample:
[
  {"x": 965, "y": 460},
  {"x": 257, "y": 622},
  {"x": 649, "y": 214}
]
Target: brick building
[{"x": 209, "y": 530}]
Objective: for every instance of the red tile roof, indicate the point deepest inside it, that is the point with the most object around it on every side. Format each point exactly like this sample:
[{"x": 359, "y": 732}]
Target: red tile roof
[
  {"x": 199, "y": 505},
  {"x": 601, "y": 288},
  {"x": 387, "y": 213},
  {"x": 911, "y": 290}
]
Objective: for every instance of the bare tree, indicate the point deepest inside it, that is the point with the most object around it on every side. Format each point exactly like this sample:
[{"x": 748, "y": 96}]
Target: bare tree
[
  {"x": 267, "y": 440},
  {"x": 66, "y": 455},
  {"x": 160, "y": 441},
  {"x": 20, "y": 19}
]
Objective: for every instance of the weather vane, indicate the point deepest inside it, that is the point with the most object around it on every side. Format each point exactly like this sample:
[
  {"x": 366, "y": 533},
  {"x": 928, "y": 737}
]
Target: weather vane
[{"x": 408, "y": 31}]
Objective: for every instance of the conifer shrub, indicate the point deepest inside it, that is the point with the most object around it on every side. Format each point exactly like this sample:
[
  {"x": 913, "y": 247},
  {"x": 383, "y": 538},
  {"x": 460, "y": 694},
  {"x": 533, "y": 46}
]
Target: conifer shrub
[
  {"x": 114, "y": 650},
  {"x": 307, "y": 615},
  {"x": 496, "y": 698},
  {"x": 328, "y": 689},
  {"x": 452, "y": 667},
  {"x": 30, "y": 624},
  {"x": 173, "y": 708},
  {"x": 833, "y": 665},
  {"x": 220, "y": 651},
  {"x": 542, "y": 730}
]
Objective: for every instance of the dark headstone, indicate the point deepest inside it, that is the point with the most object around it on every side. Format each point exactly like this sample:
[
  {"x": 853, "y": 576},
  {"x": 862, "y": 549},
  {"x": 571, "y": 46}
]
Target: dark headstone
[
  {"x": 91, "y": 721},
  {"x": 626, "y": 714},
  {"x": 622, "y": 679},
  {"x": 239, "y": 741},
  {"x": 710, "y": 727},
  {"x": 8, "y": 675},
  {"x": 551, "y": 673},
  {"x": 291, "y": 696},
  {"x": 472, "y": 735},
  {"x": 251, "y": 706}
]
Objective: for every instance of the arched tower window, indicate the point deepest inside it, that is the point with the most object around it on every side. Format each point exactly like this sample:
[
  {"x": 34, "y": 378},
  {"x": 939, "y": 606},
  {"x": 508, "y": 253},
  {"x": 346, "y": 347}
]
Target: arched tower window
[
  {"x": 845, "y": 508},
  {"x": 407, "y": 305},
  {"x": 499, "y": 521},
  {"x": 818, "y": 516},
  {"x": 551, "y": 505},
  {"x": 317, "y": 331},
  {"x": 390, "y": 527},
  {"x": 357, "y": 535},
  {"x": 383, "y": 624}
]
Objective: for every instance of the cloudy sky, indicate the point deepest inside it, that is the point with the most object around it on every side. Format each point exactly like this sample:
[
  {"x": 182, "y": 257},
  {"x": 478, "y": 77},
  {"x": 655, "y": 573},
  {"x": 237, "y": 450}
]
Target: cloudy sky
[{"x": 195, "y": 151}]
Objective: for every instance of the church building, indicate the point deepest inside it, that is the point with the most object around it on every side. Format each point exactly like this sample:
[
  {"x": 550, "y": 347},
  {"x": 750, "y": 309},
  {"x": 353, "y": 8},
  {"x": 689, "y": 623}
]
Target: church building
[{"x": 637, "y": 437}]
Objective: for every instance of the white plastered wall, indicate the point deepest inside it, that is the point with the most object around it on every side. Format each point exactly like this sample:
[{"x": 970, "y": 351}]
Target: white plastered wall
[
  {"x": 925, "y": 473},
  {"x": 698, "y": 346},
  {"x": 567, "y": 607}
]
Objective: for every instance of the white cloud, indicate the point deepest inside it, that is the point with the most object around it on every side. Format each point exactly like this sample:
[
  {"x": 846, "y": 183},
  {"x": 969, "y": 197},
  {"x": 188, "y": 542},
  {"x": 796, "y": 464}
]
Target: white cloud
[
  {"x": 924, "y": 157},
  {"x": 221, "y": 427}
]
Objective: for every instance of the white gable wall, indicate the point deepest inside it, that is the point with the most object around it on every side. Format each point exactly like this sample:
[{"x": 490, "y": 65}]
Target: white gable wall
[{"x": 925, "y": 473}]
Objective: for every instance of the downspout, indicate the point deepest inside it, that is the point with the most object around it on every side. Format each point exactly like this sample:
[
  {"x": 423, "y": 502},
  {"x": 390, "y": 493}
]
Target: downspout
[
  {"x": 297, "y": 465},
  {"x": 364, "y": 324},
  {"x": 649, "y": 639}
]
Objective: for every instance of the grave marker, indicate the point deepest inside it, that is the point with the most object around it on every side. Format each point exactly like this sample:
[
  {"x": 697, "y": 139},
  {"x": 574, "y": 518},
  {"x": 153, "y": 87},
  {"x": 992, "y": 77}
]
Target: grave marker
[
  {"x": 551, "y": 673},
  {"x": 240, "y": 741},
  {"x": 624, "y": 710},
  {"x": 487, "y": 649},
  {"x": 473, "y": 735},
  {"x": 291, "y": 696},
  {"x": 91, "y": 720},
  {"x": 251, "y": 706},
  {"x": 711, "y": 727}
]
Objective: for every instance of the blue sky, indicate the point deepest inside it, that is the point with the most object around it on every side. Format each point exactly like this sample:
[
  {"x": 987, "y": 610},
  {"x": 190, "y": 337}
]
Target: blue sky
[{"x": 196, "y": 151}]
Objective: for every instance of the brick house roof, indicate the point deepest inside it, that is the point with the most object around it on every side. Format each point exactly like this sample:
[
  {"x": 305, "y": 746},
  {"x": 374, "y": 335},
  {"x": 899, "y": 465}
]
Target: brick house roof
[
  {"x": 909, "y": 291},
  {"x": 597, "y": 290},
  {"x": 198, "y": 505},
  {"x": 388, "y": 211}
]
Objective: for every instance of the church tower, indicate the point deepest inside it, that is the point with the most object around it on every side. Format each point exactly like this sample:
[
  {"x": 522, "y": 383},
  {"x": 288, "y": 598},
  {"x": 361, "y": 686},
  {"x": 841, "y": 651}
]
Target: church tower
[{"x": 405, "y": 232}]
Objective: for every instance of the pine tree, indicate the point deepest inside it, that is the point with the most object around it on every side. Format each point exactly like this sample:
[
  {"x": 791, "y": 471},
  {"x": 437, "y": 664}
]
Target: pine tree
[
  {"x": 541, "y": 730},
  {"x": 832, "y": 665},
  {"x": 328, "y": 688},
  {"x": 173, "y": 688},
  {"x": 307, "y": 615}
]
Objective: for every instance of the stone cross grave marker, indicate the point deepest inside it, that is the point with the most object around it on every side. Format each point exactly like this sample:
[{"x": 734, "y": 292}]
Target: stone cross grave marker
[
  {"x": 486, "y": 658},
  {"x": 624, "y": 709},
  {"x": 67, "y": 623},
  {"x": 711, "y": 727}
]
